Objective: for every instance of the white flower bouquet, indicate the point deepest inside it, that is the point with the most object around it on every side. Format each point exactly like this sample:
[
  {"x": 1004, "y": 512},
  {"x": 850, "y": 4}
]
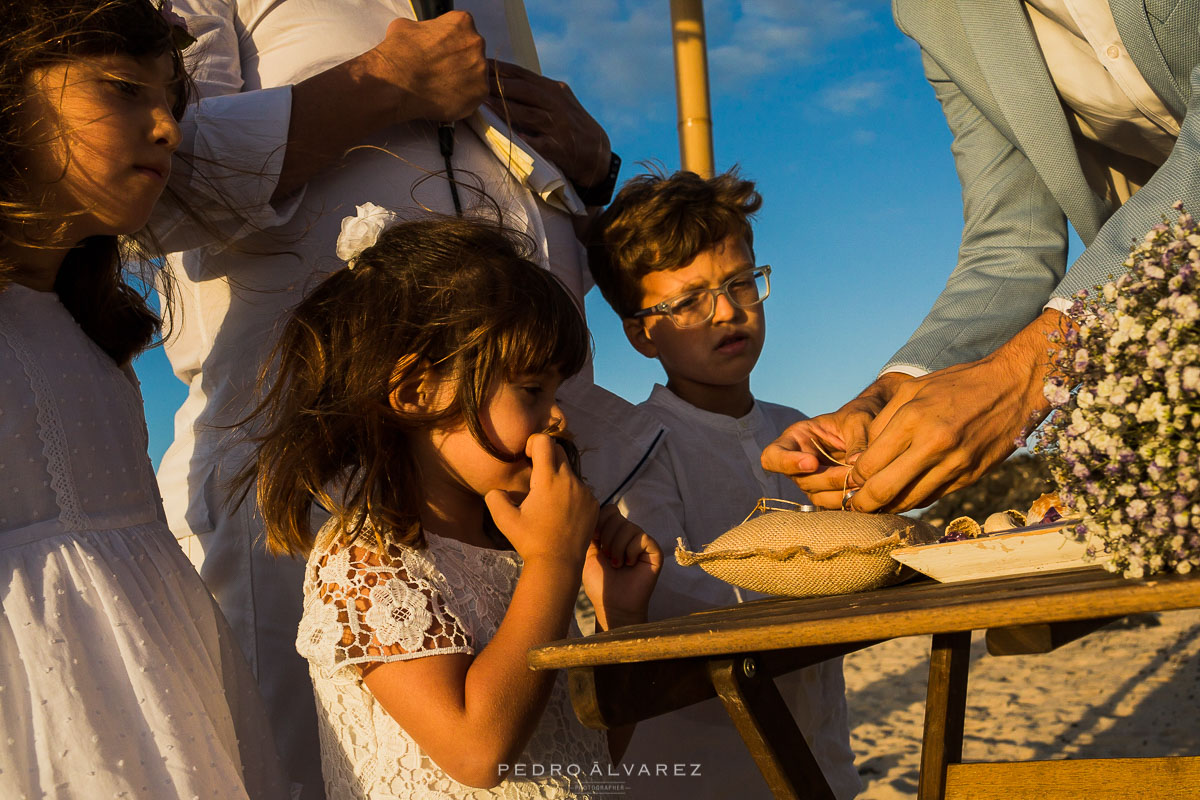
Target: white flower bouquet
[{"x": 1124, "y": 441}]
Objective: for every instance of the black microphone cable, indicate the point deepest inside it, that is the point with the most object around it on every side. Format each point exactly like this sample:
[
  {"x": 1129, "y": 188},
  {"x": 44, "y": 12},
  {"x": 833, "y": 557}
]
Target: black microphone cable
[{"x": 424, "y": 10}]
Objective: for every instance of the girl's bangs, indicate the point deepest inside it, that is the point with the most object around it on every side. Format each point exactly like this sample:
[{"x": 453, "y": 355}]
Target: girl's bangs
[
  {"x": 132, "y": 28},
  {"x": 129, "y": 27},
  {"x": 545, "y": 334}
]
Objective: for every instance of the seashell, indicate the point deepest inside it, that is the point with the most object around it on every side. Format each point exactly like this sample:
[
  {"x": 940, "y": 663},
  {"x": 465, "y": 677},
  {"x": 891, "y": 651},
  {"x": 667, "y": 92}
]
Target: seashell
[
  {"x": 1042, "y": 506},
  {"x": 963, "y": 528},
  {"x": 1003, "y": 521}
]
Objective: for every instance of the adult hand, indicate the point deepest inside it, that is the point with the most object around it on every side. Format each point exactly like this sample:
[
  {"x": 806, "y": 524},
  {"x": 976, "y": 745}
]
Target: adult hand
[
  {"x": 546, "y": 114},
  {"x": 842, "y": 434},
  {"x": 943, "y": 431},
  {"x": 438, "y": 67},
  {"x": 432, "y": 70}
]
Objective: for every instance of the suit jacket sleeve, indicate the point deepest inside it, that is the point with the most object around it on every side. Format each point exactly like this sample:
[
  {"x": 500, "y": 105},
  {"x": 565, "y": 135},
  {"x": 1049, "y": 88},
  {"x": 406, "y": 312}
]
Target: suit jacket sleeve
[
  {"x": 1014, "y": 243},
  {"x": 1178, "y": 179}
]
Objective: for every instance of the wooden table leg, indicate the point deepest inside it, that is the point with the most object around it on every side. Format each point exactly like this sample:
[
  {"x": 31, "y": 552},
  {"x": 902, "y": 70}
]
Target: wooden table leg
[
  {"x": 768, "y": 729},
  {"x": 945, "y": 709}
]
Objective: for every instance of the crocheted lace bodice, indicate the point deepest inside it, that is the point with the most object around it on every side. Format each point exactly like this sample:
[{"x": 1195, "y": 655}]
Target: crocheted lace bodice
[{"x": 362, "y": 605}]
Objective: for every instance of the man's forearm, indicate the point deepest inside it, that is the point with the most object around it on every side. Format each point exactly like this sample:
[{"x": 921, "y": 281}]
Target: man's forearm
[
  {"x": 432, "y": 70},
  {"x": 331, "y": 113},
  {"x": 1028, "y": 357}
]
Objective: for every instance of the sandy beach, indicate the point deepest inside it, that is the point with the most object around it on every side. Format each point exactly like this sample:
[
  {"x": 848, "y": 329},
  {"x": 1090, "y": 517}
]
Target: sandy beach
[{"x": 1131, "y": 689}]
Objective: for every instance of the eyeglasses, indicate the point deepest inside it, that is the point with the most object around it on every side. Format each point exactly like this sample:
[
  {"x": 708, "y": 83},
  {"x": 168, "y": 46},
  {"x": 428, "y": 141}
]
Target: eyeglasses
[{"x": 745, "y": 289}]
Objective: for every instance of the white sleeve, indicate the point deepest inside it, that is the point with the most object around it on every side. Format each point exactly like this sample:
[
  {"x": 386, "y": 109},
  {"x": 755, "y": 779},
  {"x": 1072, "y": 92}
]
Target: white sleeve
[
  {"x": 362, "y": 606},
  {"x": 233, "y": 142}
]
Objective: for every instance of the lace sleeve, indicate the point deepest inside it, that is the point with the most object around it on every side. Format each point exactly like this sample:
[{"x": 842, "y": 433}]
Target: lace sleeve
[{"x": 362, "y": 606}]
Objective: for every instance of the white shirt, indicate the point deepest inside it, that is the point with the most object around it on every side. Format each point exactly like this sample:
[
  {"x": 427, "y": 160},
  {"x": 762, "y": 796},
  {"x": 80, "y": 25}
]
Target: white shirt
[
  {"x": 1098, "y": 80},
  {"x": 703, "y": 479},
  {"x": 232, "y": 301}
]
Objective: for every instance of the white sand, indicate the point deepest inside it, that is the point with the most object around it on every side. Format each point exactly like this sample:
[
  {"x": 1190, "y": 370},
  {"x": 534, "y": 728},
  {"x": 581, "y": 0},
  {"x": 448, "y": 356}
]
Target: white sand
[{"x": 1132, "y": 689}]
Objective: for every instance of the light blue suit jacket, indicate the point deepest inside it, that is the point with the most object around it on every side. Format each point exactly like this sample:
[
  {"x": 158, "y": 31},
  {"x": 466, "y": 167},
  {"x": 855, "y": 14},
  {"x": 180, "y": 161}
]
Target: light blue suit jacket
[{"x": 1020, "y": 173}]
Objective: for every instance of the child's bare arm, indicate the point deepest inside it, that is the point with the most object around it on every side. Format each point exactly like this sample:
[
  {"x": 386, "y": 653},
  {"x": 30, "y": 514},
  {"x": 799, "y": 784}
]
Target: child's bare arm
[
  {"x": 619, "y": 575},
  {"x": 472, "y": 714}
]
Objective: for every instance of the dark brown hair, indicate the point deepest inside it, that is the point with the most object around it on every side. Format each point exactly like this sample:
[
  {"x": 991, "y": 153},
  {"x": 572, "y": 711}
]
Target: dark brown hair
[
  {"x": 658, "y": 222},
  {"x": 91, "y": 281},
  {"x": 459, "y": 296}
]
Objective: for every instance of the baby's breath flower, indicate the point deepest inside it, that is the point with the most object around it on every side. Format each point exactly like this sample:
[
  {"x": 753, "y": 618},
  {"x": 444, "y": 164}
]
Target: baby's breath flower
[{"x": 1122, "y": 443}]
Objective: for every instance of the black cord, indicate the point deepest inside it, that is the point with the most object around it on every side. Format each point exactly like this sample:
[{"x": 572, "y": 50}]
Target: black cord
[
  {"x": 426, "y": 10},
  {"x": 446, "y": 144}
]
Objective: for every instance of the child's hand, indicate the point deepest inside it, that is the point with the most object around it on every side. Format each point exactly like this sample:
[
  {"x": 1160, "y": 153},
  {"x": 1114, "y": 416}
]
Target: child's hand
[
  {"x": 557, "y": 518},
  {"x": 622, "y": 567}
]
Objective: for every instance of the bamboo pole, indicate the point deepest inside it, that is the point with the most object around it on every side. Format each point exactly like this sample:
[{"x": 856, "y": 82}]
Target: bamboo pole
[{"x": 691, "y": 86}]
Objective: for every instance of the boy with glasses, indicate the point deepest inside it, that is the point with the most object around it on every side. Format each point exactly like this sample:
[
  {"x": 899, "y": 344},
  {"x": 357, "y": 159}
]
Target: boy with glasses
[{"x": 674, "y": 257}]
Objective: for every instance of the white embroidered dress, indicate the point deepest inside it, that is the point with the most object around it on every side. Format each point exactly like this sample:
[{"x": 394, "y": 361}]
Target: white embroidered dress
[
  {"x": 118, "y": 675},
  {"x": 361, "y": 606}
]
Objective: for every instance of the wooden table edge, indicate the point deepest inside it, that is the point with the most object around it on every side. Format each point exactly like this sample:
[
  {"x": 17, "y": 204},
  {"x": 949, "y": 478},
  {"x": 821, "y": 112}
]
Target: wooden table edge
[{"x": 644, "y": 643}]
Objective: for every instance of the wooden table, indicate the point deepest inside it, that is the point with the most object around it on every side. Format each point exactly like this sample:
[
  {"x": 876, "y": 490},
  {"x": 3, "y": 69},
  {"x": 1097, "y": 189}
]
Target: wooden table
[{"x": 642, "y": 671}]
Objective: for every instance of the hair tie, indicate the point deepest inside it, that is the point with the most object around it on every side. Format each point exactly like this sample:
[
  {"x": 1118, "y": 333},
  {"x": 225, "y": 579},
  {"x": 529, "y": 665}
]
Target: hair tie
[{"x": 362, "y": 231}]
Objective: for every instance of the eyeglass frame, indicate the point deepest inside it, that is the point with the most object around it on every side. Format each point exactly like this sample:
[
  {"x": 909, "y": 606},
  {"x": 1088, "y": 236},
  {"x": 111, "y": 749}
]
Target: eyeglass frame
[{"x": 663, "y": 306}]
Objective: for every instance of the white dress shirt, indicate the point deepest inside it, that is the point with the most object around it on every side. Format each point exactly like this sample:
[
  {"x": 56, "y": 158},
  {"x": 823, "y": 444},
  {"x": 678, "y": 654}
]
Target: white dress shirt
[{"x": 231, "y": 300}]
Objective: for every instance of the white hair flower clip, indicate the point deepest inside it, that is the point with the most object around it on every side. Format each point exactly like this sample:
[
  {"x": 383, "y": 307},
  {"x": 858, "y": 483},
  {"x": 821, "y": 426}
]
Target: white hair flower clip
[{"x": 362, "y": 230}]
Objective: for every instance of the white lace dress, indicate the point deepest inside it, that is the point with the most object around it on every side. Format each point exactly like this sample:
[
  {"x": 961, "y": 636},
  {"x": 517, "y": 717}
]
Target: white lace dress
[
  {"x": 360, "y": 603},
  {"x": 118, "y": 675}
]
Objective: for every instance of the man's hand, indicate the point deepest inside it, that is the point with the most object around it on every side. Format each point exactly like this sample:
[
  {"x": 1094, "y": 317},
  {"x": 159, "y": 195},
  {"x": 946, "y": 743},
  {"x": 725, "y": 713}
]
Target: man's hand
[
  {"x": 437, "y": 67},
  {"x": 842, "y": 434},
  {"x": 546, "y": 114},
  {"x": 433, "y": 70},
  {"x": 943, "y": 431}
]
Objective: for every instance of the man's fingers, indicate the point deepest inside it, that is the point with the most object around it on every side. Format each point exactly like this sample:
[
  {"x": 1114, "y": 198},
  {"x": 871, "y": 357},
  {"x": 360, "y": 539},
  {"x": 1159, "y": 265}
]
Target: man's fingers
[
  {"x": 902, "y": 485},
  {"x": 783, "y": 459},
  {"x": 521, "y": 87},
  {"x": 506, "y": 69},
  {"x": 833, "y": 500},
  {"x": 826, "y": 479},
  {"x": 525, "y": 119},
  {"x": 880, "y": 490},
  {"x": 856, "y": 429},
  {"x": 904, "y": 476},
  {"x": 459, "y": 19},
  {"x": 793, "y": 452}
]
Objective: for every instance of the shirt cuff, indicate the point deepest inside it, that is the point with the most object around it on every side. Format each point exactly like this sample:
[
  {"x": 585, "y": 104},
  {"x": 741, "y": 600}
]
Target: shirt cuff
[
  {"x": 239, "y": 141},
  {"x": 904, "y": 369},
  {"x": 1059, "y": 304}
]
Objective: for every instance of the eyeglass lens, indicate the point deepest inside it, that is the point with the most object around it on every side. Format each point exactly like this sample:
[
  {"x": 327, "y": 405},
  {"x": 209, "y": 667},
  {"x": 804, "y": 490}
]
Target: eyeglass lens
[{"x": 744, "y": 290}]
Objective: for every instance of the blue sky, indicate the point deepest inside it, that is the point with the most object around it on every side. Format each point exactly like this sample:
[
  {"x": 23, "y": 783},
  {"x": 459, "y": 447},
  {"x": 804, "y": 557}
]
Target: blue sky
[{"x": 824, "y": 104}]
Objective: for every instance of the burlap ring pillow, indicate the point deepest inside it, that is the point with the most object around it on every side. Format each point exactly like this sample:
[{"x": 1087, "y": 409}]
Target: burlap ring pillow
[{"x": 806, "y": 553}]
